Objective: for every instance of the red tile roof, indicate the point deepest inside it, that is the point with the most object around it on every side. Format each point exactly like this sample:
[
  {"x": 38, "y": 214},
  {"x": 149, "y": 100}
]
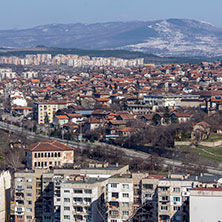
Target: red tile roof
[{"x": 48, "y": 145}]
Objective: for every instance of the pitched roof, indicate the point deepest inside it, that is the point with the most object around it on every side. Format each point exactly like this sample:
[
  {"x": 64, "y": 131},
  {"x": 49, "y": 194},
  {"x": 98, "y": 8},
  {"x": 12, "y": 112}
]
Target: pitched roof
[{"x": 48, "y": 145}]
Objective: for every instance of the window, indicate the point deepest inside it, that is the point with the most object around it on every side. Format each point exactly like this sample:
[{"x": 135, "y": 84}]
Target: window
[
  {"x": 126, "y": 186},
  {"x": 87, "y": 200},
  {"x": 66, "y": 208},
  {"x": 29, "y": 194},
  {"x": 42, "y": 155},
  {"x": 35, "y": 155},
  {"x": 148, "y": 186},
  {"x": 66, "y": 217},
  {"x": 114, "y": 185},
  {"x": 19, "y": 216},
  {"x": 148, "y": 195},
  {"x": 126, "y": 195},
  {"x": 29, "y": 187},
  {"x": 29, "y": 217},
  {"x": 48, "y": 154},
  {"x": 77, "y": 191},
  {"x": 125, "y": 204},
  {"x": 45, "y": 163},
  {"x": 176, "y": 189},
  {"x": 164, "y": 198},
  {"x": 29, "y": 202},
  {"x": 66, "y": 191},
  {"x": 164, "y": 208},
  {"x": 114, "y": 212},
  {"x": 88, "y": 191},
  {"x": 125, "y": 213},
  {"x": 28, "y": 209},
  {"x": 55, "y": 154},
  {"x": 66, "y": 200},
  {"x": 176, "y": 199},
  {"x": 35, "y": 164},
  {"x": 38, "y": 154},
  {"x": 58, "y": 154},
  {"x": 176, "y": 208},
  {"x": 115, "y": 195},
  {"x": 78, "y": 199},
  {"x": 29, "y": 180},
  {"x": 163, "y": 188},
  {"x": 177, "y": 218},
  {"x": 113, "y": 220}
]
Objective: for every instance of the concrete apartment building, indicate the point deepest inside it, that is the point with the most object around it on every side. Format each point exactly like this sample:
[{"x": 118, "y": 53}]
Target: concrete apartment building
[
  {"x": 120, "y": 198},
  {"x": 28, "y": 196},
  {"x": 205, "y": 204},
  {"x": 43, "y": 112},
  {"x": 83, "y": 199},
  {"x": 46, "y": 154},
  {"x": 39, "y": 193},
  {"x": 5, "y": 187}
]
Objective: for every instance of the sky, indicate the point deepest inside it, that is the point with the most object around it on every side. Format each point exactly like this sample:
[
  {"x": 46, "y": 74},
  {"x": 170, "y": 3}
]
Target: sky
[{"x": 19, "y": 14}]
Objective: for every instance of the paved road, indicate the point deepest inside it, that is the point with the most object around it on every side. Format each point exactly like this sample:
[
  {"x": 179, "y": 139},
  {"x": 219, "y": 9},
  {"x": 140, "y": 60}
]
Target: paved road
[{"x": 128, "y": 152}]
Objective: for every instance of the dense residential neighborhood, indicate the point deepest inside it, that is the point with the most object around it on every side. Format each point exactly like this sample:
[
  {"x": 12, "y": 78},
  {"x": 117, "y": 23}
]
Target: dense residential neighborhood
[{"x": 68, "y": 124}]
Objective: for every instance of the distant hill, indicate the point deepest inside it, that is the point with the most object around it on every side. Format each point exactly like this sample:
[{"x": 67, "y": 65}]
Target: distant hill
[{"x": 171, "y": 37}]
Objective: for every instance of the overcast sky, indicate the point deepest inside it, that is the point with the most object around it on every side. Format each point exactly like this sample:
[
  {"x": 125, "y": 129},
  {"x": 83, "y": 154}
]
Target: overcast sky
[{"x": 17, "y": 14}]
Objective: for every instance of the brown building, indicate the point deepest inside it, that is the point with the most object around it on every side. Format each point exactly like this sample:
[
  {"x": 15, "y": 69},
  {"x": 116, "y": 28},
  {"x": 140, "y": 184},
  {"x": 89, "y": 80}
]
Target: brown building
[{"x": 46, "y": 154}]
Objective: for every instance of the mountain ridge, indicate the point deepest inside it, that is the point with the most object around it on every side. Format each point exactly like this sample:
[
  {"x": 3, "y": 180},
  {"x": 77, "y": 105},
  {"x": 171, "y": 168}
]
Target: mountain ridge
[{"x": 170, "y": 37}]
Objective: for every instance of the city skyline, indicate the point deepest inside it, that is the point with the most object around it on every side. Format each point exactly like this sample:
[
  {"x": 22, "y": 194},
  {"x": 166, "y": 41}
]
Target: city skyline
[{"x": 25, "y": 14}]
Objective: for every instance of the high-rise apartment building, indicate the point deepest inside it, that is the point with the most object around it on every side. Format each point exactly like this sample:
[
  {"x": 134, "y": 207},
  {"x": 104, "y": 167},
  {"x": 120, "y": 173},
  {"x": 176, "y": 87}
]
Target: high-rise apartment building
[{"x": 5, "y": 187}]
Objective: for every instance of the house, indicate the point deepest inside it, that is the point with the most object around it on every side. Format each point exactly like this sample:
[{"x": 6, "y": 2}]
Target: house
[
  {"x": 75, "y": 117},
  {"x": 46, "y": 154},
  {"x": 127, "y": 131},
  {"x": 60, "y": 120},
  {"x": 201, "y": 131}
]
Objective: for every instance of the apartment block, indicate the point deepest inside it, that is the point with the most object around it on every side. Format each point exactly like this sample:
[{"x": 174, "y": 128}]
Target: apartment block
[
  {"x": 40, "y": 194},
  {"x": 5, "y": 187},
  {"x": 120, "y": 198},
  {"x": 28, "y": 196},
  {"x": 46, "y": 154},
  {"x": 43, "y": 112},
  {"x": 83, "y": 199},
  {"x": 205, "y": 204}
]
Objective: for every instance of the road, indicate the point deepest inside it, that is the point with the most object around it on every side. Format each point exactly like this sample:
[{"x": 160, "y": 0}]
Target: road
[{"x": 128, "y": 152}]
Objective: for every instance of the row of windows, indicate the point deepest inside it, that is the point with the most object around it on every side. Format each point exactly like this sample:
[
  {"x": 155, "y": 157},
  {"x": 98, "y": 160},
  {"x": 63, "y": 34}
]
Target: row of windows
[
  {"x": 125, "y": 186},
  {"x": 116, "y": 213},
  {"x": 78, "y": 199},
  {"x": 44, "y": 164},
  {"x": 88, "y": 191},
  {"x": 77, "y": 217},
  {"x": 116, "y": 195},
  {"x": 41, "y": 155}
]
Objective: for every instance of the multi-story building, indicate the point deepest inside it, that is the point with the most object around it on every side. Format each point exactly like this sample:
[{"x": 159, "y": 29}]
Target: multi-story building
[
  {"x": 40, "y": 194},
  {"x": 43, "y": 112},
  {"x": 120, "y": 198},
  {"x": 205, "y": 204},
  {"x": 5, "y": 187},
  {"x": 28, "y": 196},
  {"x": 46, "y": 154},
  {"x": 82, "y": 199}
]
